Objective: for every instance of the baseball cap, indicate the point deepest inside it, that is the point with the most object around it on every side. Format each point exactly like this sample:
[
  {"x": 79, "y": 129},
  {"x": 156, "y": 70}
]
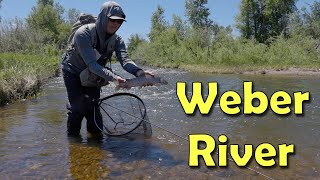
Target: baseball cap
[{"x": 117, "y": 13}]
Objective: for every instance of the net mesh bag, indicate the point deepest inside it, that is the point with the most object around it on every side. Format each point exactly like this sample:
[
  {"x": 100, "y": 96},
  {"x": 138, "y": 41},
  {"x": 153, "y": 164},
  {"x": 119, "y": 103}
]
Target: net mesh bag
[{"x": 124, "y": 114}]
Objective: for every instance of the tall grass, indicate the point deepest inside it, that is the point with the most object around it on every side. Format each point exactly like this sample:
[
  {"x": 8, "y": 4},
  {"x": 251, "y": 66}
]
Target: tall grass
[
  {"x": 25, "y": 61},
  {"x": 22, "y": 75}
]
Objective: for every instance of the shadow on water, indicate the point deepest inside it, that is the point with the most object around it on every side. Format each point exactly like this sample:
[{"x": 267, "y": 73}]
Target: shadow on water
[
  {"x": 135, "y": 158},
  {"x": 115, "y": 157},
  {"x": 130, "y": 149}
]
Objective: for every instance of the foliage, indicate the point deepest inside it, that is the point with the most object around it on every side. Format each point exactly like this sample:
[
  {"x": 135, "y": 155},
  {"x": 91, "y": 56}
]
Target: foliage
[
  {"x": 73, "y": 15},
  {"x": 47, "y": 17},
  {"x": 15, "y": 36},
  {"x": 158, "y": 23},
  {"x": 307, "y": 22},
  {"x": 297, "y": 51},
  {"x": 180, "y": 46},
  {"x": 198, "y": 14},
  {"x": 45, "y": 2},
  {"x": 264, "y": 19},
  {"x": 0, "y": 8},
  {"x": 179, "y": 25},
  {"x": 22, "y": 75},
  {"x": 134, "y": 41}
]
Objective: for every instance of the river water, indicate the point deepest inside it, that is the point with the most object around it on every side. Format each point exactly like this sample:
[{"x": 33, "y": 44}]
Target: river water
[{"x": 34, "y": 144}]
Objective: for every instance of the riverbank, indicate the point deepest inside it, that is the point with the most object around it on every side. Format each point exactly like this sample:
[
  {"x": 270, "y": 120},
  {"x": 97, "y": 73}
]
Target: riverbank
[
  {"x": 289, "y": 71},
  {"x": 309, "y": 71},
  {"x": 237, "y": 70},
  {"x": 23, "y": 75},
  {"x": 297, "y": 55}
]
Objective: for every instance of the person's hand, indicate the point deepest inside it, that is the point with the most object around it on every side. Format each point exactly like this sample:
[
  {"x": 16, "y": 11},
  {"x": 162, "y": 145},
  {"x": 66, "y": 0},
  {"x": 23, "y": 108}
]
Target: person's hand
[
  {"x": 121, "y": 82},
  {"x": 149, "y": 73},
  {"x": 144, "y": 73},
  {"x": 120, "y": 79}
]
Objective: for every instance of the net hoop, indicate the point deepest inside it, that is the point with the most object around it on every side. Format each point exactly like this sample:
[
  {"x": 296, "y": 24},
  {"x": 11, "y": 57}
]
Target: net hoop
[{"x": 98, "y": 103}]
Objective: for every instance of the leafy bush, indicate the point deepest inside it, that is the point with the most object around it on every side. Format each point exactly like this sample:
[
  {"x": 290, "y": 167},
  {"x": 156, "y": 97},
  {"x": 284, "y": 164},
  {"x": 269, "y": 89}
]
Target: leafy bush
[
  {"x": 294, "y": 52},
  {"x": 15, "y": 36}
]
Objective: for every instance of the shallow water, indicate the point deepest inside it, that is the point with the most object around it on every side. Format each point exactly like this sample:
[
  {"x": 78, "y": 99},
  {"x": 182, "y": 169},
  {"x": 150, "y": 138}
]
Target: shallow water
[{"x": 33, "y": 141}]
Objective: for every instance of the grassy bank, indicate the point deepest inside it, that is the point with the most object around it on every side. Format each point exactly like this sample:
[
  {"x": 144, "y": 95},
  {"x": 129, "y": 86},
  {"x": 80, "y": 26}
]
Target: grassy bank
[
  {"x": 22, "y": 75},
  {"x": 226, "y": 54}
]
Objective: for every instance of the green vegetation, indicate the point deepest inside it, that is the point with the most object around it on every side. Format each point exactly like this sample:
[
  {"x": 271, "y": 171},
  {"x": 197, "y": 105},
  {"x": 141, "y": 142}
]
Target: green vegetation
[
  {"x": 198, "y": 14},
  {"x": 264, "y": 19},
  {"x": 22, "y": 75},
  {"x": 270, "y": 38},
  {"x": 227, "y": 54},
  {"x": 29, "y": 52}
]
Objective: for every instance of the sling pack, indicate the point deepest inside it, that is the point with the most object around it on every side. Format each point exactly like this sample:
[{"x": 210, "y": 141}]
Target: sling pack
[
  {"x": 82, "y": 20},
  {"x": 85, "y": 19}
]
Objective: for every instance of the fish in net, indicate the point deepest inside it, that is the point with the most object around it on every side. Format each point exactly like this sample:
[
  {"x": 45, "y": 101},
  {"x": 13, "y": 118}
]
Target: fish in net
[{"x": 124, "y": 114}]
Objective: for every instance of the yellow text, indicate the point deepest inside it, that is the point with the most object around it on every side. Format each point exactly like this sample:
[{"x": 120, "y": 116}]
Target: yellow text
[
  {"x": 264, "y": 154},
  {"x": 230, "y": 101}
]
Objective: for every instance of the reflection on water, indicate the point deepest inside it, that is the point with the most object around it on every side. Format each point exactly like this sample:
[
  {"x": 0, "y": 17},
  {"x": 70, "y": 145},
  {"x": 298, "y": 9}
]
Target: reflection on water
[
  {"x": 85, "y": 162},
  {"x": 33, "y": 141}
]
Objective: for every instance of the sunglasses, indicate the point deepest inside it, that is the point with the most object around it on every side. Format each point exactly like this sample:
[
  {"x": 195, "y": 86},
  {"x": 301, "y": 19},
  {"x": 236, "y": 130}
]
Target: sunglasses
[{"x": 119, "y": 21}]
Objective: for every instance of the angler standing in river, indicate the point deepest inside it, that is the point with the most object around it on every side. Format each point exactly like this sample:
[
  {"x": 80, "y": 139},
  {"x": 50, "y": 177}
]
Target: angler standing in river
[{"x": 90, "y": 49}]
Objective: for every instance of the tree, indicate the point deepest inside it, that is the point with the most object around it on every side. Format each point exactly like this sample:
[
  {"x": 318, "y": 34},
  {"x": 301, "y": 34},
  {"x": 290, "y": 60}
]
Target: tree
[
  {"x": 47, "y": 18},
  {"x": 278, "y": 13},
  {"x": 179, "y": 25},
  {"x": 262, "y": 19},
  {"x": 158, "y": 23},
  {"x": 0, "y": 8},
  {"x": 307, "y": 22},
  {"x": 73, "y": 15},
  {"x": 45, "y": 2},
  {"x": 246, "y": 20},
  {"x": 134, "y": 41},
  {"x": 198, "y": 14},
  {"x": 313, "y": 20}
]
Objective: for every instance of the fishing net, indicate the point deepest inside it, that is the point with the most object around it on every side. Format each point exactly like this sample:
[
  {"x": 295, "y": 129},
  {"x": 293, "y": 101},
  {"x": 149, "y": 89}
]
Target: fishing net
[{"x": 124, "y": 113}]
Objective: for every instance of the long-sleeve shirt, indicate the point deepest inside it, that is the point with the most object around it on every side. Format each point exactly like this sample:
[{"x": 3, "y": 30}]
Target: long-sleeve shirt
[{"x": 84, "y": 53}]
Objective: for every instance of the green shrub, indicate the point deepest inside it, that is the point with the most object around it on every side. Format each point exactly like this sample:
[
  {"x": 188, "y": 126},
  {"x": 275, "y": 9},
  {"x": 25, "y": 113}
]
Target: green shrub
[
  {"x": 293, "y": 52},
  {"x": 196, "y": 48}
]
